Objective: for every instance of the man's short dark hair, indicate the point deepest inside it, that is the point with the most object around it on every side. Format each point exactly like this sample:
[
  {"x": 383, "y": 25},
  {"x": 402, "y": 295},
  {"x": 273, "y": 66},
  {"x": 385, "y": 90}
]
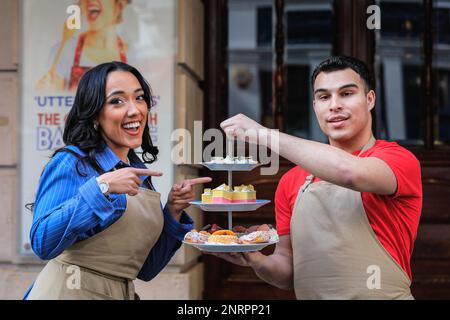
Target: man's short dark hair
[{"x": 337, "y": 63}]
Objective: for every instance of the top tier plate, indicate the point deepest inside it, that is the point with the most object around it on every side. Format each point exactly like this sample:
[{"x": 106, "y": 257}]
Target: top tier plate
[{"x": 230, "y": 166}]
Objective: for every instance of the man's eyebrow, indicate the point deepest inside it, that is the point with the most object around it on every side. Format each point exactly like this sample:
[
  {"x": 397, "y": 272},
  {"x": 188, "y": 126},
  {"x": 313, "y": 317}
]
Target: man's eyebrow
[
  {"x": 350, "y": 85},
  {"x": 320, "y": 90},
  {"x": 121, "y": 91},
  {"x": 346, "y": 86}
]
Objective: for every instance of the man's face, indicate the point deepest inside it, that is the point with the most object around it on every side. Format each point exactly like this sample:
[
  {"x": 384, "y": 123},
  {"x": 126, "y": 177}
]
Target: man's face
[{"x": 342, "y": 105}]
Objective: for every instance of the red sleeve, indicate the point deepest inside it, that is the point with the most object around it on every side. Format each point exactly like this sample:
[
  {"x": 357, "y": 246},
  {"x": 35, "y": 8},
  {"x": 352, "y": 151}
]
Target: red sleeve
[
  {"x": 285, "y": 198},
  {"x": 282, "y": 211},
  {"x": 406, "y": 168}
]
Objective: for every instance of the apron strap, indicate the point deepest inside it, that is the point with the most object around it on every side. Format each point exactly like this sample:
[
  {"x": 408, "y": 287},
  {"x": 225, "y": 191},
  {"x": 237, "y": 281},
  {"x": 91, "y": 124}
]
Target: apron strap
[
  {"x": 308, "y": 181},
  {"x": 368, "y": 145},
  {"x": 79, "y": 48},
  {"x": 123, "y": 56}
]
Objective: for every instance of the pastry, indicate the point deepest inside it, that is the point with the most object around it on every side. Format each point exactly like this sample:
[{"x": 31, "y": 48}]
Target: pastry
[
  {"x": 214, "y": 228},
  {"x": 194, "y": 236},
  {"x": 244, "y": 193},
  {"x": 263, "y": 227},
  {"x": 228, "y": 160},
  {"x": 232, "y": 160},
  {"x": 223, "y": 237},
  {"x": 259, "y": 237},
  {"x": 207, "y": 196},
  {"x": 216, "y": 235},
  {"x": 239, "y": 229},
  {"x": 222, "y": 194},
  {"x": 252, "y": 241},
  {"x": 255, "y": 237},
  {"x": 224, "y": 233}
]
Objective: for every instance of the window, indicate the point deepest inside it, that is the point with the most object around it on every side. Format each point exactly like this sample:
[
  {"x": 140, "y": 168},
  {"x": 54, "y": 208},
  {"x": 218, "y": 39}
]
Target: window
[
  {"x": 399, "y": 109},
  {"x": 251, "y": 60},
  {"x": 441, "y": 71},
  {"x": 400, "y": 61}
]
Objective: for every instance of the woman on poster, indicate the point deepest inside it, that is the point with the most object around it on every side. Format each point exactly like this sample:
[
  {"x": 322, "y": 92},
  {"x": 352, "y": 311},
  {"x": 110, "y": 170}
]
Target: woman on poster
[{"x": 98, "y": 44}]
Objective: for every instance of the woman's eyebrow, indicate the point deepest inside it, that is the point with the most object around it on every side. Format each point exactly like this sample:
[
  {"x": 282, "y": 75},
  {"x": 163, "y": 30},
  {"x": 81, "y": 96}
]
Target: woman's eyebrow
[{"x": 121, "y": 92}]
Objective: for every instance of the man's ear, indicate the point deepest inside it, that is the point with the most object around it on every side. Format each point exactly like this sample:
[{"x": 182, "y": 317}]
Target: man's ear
[{"x": 371, "y": 99}]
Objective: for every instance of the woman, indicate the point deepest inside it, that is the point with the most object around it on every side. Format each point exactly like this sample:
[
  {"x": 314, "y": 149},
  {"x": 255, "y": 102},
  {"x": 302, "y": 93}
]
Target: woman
[
  {"x": 99, "y": 43},
  {"x": 95, "y": 211}
]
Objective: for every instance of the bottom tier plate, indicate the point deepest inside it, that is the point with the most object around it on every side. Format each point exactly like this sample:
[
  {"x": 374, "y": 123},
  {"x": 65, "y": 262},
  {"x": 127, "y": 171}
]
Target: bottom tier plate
[
  {"x": 224, "y": 248},
  {"x": 243, "y": 206}
]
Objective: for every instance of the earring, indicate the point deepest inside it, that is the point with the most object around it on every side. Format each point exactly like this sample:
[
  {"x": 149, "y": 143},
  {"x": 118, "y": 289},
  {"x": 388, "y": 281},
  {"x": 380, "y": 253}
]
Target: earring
[{"x": 96, "y": 126}]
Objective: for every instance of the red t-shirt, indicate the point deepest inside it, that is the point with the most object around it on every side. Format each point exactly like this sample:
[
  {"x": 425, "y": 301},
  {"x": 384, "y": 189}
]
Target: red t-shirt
[{"x": 394, "y": 218}]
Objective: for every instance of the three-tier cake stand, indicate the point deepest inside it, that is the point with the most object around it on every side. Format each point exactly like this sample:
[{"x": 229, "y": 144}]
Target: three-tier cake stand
[{"x": 230, "y": 207}]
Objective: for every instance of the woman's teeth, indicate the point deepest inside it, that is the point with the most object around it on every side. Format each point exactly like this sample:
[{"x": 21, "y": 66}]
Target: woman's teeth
[{"x": 132, "y": 125}]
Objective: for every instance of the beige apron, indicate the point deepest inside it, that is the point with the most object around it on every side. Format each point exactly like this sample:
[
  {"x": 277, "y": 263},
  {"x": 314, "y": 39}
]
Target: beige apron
[
  {"x": 336, "y": 252},
  {"x": 105, "y": 265}
]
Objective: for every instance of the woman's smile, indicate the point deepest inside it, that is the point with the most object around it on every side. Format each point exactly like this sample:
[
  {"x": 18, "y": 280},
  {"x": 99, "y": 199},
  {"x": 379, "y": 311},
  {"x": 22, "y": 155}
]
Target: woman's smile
[{"x": 132, "y": 128}]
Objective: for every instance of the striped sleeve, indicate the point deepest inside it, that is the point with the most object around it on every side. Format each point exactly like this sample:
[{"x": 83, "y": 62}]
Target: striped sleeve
[{"x": 67, "y": 208}]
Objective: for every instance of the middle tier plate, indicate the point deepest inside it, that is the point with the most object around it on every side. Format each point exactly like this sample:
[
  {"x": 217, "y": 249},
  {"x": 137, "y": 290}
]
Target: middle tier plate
[{"x": 242, "y": 206}]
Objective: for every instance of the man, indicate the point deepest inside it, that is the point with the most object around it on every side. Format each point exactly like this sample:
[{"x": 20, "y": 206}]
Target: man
[{"x": 348, "y": 214}]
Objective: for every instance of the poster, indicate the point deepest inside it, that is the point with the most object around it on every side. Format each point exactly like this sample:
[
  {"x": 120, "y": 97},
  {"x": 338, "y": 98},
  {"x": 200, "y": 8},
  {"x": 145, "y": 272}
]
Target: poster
[{"x": 140, "y": 32}]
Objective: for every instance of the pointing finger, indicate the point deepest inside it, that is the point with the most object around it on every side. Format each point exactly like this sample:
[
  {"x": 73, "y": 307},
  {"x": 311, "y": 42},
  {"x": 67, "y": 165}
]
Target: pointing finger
[
  {"x": 147, "y": 172},
  {"x": 195, "y": 181}
]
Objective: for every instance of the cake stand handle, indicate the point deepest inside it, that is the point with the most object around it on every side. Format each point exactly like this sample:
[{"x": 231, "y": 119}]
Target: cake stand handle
[{"x": 230, "y": 215}]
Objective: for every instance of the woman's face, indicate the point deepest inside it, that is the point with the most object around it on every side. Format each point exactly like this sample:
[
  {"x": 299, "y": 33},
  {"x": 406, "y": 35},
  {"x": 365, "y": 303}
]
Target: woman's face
[
  {"x": 101, "y": 13},
  {"x": 123, "y": 117}
]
